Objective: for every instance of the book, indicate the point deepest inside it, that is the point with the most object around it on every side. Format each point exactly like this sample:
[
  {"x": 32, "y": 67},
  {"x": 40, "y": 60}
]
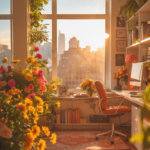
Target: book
[
  {"x": 71, "y": 115},
  {"x": 66, "y": 116},
  {"x": 58, "y": 118},
  {"x": 143, "y": 32},
  {"x": 74, "y": 116}
]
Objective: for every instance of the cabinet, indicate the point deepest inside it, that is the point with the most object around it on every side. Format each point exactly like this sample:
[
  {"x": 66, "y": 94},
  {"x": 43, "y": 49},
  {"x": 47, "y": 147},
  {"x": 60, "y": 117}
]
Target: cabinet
[{"x": 140, "y": 46}]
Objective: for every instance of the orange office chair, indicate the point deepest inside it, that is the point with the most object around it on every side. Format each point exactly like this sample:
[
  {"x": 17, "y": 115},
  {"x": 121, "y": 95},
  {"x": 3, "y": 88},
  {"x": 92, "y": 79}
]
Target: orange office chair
[{"x": 111, "y": 111}]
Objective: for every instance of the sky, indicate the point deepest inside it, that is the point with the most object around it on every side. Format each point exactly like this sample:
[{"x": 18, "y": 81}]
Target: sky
[{"x": 88, "y": 32}]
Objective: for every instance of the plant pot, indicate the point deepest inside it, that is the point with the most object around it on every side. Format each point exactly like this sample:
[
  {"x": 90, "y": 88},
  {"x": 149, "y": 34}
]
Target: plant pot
[{"x": 117, "y": 87}]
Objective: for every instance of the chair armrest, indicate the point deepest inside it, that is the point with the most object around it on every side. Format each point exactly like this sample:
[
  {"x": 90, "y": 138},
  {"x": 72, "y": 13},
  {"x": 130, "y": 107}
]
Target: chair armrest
[
  {"x": 119, "y": 105},
  {"x": 112, "y": 97}
]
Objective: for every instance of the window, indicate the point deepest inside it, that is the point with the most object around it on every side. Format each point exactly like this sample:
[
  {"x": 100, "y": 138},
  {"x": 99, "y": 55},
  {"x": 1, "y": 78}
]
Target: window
[
  {"x": 5, "y": 31},
  {"x": 78, "y": 31}
]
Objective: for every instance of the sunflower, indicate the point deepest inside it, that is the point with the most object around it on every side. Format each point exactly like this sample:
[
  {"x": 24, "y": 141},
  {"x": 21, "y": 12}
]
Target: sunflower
[
  {"x": 46, "y": 131},
  {"x": 5, "y": 60},
  {"x": 41, "y": 145},
  {"x": 29, "y": 141},
  {"x": 53, "y": 138},
  {"x": 35, "y": 131},
  {"x": 15, "y": 61}
]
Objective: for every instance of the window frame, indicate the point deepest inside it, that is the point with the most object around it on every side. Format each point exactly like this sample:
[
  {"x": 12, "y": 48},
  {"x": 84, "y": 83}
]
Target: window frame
[{"x": 54, "y": 17}]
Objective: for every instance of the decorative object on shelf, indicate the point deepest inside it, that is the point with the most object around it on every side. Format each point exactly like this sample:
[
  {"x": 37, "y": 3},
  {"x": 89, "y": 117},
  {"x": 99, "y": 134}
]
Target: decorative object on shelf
[
  {"x": 121, "y": 21},
  {"x": 121, "y": 45},
  {"x": 62, "y": 90},
  {"x": 131, "y": 58},
  {"x": 88, "y": 86},
  {"x": 120, "y": 60},
  {"x": 148, "y": 54},
  {"x": 121, "y": 33}
]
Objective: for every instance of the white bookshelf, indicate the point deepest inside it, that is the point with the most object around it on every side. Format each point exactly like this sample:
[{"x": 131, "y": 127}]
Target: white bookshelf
[{"x": 140, "y": 48}]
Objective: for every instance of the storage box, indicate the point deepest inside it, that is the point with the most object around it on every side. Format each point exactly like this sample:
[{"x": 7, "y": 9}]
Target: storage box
[{"x": 99, "y": 119}]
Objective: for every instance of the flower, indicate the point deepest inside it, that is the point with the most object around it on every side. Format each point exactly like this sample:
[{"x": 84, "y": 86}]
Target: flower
[
  {"x": 40, "y": 109},
  {"x": 43, "y": 88},
  {"x": 28, "y": 102},
  {"x": 3, "y": 71},
  {"x": 27, "y": 90},
  {"x": 36, "y": 48},
  {"x": 21, "y": 107},
  {"x": 39, "y": 56},
  {"x": 10, "y": 73},
  {"x": 41, "y": 145},
  {"x": 30, "y": 59},
  {"x": 5, "y": 60},
  {"x": 5, "y": 132},
  {"x": 57, "y": 105},
  {"x": 53, "y": 87},
  {"x": 34, "y": 72},
  {"x": 35, "y": 131},
  {"x": 2, "y": 125},
  {"x": 92, "y": 87},
  {"x": 9, "y": 67},
  {"x": 35, "y": 68},
  {"x": 29, "y": 77},
  {"x": 31, "y": 87},
  {"x": 35, "y": 118},
  {"x": 131, "y": 58},
  {"x": 41, "y": 93},
  {"x": 53, "y": 138},
  {"x": 3, "y": 83},
  {"x": 11, "y": 83},
  {"x": 29, "y": 141},
  {"x": 15, "y": 61},
  {"x": 40, "y": 73},
  {"x": 21, "y": 72},
  {"x": 46, "y": 131},
  {"x": 35, "y": 63}
]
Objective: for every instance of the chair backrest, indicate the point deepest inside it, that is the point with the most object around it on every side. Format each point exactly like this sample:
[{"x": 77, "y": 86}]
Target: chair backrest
[{"x": 101, "y": 94}]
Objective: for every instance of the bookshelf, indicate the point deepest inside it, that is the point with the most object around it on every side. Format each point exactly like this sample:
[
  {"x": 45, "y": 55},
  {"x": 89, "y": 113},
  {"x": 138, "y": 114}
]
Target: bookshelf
[{"x": 140, "y": 45}]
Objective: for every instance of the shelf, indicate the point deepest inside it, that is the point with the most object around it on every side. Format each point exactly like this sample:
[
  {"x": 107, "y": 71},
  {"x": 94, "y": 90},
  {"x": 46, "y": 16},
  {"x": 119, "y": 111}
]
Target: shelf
[
  {"x": 144, "y": 8},
  {"x": 146, "y": 41},
  {"x": 133, "y": 46},
  {"x": 78, "y": 124}
]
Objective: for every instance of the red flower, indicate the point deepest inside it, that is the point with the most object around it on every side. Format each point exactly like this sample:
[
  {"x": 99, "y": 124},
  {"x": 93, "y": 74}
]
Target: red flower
[
  {"x": 3, "y": 71},
  {"x": 2, "y": 67},
  {"x": 40, "y": 73},
  {"x": 9, "y": 67},
  {"x": 34, "y": 72},
  {"x": 131, "y": 58},
  {"x": 36, "y": 48},
  {"x": 39, "y": 56},
  {"x": 31, "y": 87}
]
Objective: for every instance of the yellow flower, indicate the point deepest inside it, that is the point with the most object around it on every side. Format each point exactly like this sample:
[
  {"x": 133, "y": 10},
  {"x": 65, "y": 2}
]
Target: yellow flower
[
  {"x": 57, "y": 105},
  {"x": 92, "y": 87},
  {"x": 40, "y": 109},
  {"x": 5, "y": 60},
  {"x": 21, "y": 107},
  {"x": 28, "y": 71},
  {"x": 28, "y": 102},
  {"x": 21, "y": 72},
  {"x": 27, "y": 90},
  {"x": 41, "y": 145},
  {"x": 35, "y": 131},
  {"x": 7, "y": 102},
  {"x": 53, "y": 138},
  {"x": 29, "y": 77},
  {"x": 15, "y": 61},
  {"x": 39, "y": 99},
  {"x": 53, "y": 87},
  {"x": 29, "y": 141},
  {"x": 35, "y": 118},
  {"x": 29, "y": 59},
  {"x": 31, "y": 109},
  {"x": 46, "y": 131},
  {"x": 11, "y": 122},
  {"x": 88, "y": 87},
  {"x": 35, "y": 68},
  {"x": 17, "y": 91},
  {"x": 35, "y": 63},
  {"x": 46, "y": 106}
]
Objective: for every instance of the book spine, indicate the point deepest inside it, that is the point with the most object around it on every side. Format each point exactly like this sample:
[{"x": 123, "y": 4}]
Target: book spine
[
  {"x": 71, "y": 116},
  {"x": 68, "y": 116},
  {"x": 58, "y": 119}
]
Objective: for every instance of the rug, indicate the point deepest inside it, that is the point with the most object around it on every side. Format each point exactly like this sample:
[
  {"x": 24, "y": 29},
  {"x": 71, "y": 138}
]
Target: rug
[{"x": 85, "y": 140}]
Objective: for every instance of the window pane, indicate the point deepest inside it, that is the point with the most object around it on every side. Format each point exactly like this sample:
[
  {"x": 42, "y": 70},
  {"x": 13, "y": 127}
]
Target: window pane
[
  {"x": 81, "y": 6},
  {"x": 81, "y": 51},
  {"x": 5, "y": 41},
  {"x": 46, "y": 49},
  {"x": 4, "y": 6},
  {"x": 47, "y": 8}
]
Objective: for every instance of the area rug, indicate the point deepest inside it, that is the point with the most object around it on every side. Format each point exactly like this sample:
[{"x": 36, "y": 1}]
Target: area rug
[{"x": 85, "y": 140}]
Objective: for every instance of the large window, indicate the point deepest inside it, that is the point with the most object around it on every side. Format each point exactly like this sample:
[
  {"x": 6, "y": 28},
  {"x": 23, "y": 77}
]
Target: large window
[
  {"x": 5, "y": 30},
  {"x": 78, "y": 40}
]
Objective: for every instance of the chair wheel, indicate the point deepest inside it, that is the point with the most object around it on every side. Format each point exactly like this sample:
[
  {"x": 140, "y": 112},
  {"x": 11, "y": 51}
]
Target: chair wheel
[
  {"x": 112, "y": 142},
  {"x": 96, "y": 138}
]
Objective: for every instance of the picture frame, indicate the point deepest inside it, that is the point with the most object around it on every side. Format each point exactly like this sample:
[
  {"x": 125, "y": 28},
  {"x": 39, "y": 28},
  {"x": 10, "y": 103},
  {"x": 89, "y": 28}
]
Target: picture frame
[
  {"x": 121, "y": 45},
  {"x": 121, "y": 21},
  {"x": 62, "y": 90},
  {"x": 120, "y": 60},
  {"x": 121, "y": 33},
  {"x": 148, "y": 54}
]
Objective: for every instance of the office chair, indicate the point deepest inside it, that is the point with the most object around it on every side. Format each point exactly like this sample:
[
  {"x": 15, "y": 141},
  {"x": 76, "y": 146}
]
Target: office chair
[{"x": 111, "y": 111}]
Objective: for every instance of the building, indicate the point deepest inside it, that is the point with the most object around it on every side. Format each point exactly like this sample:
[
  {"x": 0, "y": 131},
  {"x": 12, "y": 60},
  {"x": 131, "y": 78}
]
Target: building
[{"x": 76, "y": 64}]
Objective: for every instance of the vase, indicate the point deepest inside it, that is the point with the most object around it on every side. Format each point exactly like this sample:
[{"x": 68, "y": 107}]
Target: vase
[
  {"x": 117, "y": 87},
  {"x": 125, "y": 86},
  {"x": 90, "y": 92}
]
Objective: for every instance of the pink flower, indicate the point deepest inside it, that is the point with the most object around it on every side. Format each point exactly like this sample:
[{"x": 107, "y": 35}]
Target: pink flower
[
  {"x": 36, "y": 48},
  {"x": 3, "y": 71},
  {"x": 39, "y": 56},
  {"x": 31, "y": 87},
  {"x": 9, "y": 67},
  {"x": 10, "y": 73},
  {"x": 2, "y": 125},
  {"x": 40, "y": 73},
  {"x": 3, "y": 83},
  {"x": 5, "y": 132},
  {"x": 41, "y": 93},
  {"x": 2, "y": 67},
  {"x": 42, "y": 83},
  {"x": 11, "y": 83}
]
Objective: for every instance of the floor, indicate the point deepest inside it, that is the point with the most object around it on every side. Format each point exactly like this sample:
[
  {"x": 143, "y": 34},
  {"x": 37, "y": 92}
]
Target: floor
[{"x": 124, "y": 129}]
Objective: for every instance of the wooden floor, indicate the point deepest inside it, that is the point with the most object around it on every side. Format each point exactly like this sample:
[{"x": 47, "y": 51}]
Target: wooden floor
[{"x": 124, "y": 129}]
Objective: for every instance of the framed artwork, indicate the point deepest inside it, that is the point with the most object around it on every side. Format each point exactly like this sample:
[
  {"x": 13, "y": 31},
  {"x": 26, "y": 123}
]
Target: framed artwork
[
  {"x": 148, "y": 54},
  {"x": 121, "y": 45},
  {"x": 121, "y": 21},
  {"x": 121, "y": 33},
  {"x": 120, "y": 60},
  {"x": 62, "y": 90}
]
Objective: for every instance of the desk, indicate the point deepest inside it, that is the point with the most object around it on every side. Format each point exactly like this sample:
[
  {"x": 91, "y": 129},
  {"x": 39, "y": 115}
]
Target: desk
[{"x": 135, "y": 114}]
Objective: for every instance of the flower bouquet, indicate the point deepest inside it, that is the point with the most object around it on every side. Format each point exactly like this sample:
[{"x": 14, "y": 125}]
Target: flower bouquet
[
  {"x": 131, "y": 58},
  {"x": 118, "y": 76},
  {"x": 88, "y": 86},
  {"x": 21, "y": 104}
]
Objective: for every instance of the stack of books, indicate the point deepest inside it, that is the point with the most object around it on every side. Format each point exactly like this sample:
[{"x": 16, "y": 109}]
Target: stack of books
[{"x": 69, "y": 116}]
